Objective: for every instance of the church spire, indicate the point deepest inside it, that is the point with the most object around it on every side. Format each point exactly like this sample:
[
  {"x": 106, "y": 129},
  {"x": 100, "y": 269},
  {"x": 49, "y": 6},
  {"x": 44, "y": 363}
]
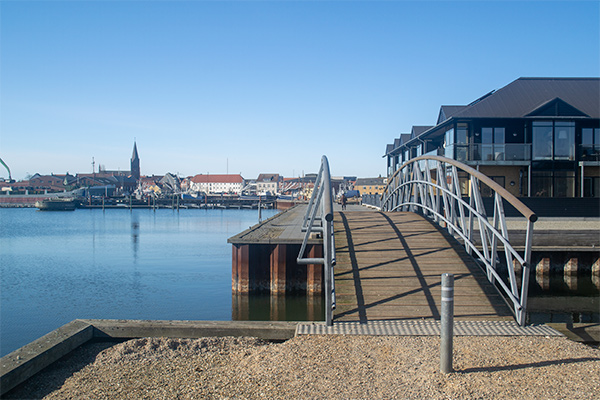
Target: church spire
[{"x": 135, "y": 163}]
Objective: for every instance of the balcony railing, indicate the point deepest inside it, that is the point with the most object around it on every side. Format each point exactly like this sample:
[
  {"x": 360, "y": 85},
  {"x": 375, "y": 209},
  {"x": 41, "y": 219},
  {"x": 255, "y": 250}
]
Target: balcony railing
[
  {"x": 589, "y": 152},
  {"x": 493, "y": 152}
]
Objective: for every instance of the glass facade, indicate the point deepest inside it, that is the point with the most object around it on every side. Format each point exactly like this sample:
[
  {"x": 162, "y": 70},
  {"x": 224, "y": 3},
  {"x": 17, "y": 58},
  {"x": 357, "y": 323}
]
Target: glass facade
[
  {"x": 553, "y": 183},
  {"x": 590, "y": 144},
  {"x": 492, "y": 144},
  {"x": 541, "y": 140},
  {"x": 553, "y": 140},
  {"x": 564, "y": 140}
]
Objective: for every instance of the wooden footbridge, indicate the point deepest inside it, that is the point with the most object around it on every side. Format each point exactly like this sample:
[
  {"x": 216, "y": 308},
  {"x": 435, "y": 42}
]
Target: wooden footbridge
[
  {"x": 389, "y": 267},
  {"x": 386, "y": 265}
]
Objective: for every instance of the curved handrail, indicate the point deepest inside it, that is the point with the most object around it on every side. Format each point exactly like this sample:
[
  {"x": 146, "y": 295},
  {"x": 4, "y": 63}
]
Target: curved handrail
[
  {"x": 510, "y": 198},
  {"x": 322, "y": 200},
  {"x": 412, "y": 187}
]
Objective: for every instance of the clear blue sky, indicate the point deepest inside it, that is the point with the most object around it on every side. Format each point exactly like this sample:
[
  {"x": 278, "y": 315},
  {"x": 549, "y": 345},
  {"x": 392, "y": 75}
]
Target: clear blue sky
[{"x": 269, "y": 86}]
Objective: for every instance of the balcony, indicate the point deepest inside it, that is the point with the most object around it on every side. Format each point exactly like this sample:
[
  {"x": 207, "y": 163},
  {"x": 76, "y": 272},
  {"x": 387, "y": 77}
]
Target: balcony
[
  {"x": 589, "y": 152},
  {"x": 493, "y": 153}
]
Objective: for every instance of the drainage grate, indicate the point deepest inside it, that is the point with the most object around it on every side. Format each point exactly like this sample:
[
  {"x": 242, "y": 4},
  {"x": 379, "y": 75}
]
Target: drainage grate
[{"x": 425, "y": 328}]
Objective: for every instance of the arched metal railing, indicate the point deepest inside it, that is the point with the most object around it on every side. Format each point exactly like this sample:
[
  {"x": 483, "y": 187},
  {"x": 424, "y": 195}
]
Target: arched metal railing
[
  {"x": 431, "y": 185},
  {"x": 319, "y": 219}
]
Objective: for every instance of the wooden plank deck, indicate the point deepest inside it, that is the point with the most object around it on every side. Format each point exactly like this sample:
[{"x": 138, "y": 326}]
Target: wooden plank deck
[{"x": 389, "y": 267}]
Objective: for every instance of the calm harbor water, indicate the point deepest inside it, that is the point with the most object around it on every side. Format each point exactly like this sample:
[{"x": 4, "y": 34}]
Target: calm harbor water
[
  {"x": 142, "y": 264},
  {"x": 121, "y": 264}
]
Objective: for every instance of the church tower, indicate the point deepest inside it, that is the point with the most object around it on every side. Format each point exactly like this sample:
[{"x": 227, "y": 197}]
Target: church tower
[{"x": 135, "y": 163}]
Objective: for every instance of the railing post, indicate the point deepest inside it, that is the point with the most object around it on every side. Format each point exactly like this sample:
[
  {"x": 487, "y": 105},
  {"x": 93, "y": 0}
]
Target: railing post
[
  {"x": 328, "y": 251},
  {"x": 447, "y": 323}
]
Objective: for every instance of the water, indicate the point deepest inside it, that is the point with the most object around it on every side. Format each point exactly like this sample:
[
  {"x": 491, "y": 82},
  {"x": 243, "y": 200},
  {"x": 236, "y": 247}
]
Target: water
[
  {"x": 564, "y": 299},
  {"x": 142, "y": 264},
  {"x": 118, "y": 264}
]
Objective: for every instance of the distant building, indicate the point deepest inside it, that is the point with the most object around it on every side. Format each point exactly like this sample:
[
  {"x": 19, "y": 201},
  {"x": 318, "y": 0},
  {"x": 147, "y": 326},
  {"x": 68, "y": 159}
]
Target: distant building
[
  {"x": 51, "y": 183},
  {"x": 217, "y": 184},
  {"x": 370, "y": 185},
  {"x": 536, "y": 137},
  {"x": 135, "y": 163},
  {"x": 268, "y": 183}
]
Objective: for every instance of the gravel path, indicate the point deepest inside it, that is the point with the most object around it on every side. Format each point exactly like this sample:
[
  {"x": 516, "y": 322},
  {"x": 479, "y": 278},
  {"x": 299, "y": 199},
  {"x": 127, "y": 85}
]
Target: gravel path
[{"x": 324, "y": 367}]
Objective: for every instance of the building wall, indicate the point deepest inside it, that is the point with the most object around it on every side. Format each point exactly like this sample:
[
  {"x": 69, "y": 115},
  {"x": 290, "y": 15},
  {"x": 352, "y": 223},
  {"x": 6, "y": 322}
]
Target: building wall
[{"x": 510, "y": 174}]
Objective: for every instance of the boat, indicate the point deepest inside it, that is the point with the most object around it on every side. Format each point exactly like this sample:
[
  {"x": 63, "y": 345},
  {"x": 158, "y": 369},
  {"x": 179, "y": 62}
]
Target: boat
[{"x": 57, "y": 204}]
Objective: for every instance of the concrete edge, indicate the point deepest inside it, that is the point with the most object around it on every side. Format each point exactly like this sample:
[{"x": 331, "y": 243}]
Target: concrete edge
[
  {"x": 23, "y": 363},
  {"x": 126, "y": 329}
]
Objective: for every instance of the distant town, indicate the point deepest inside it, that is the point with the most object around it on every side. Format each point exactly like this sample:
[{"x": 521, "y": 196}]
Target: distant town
[{"x": 105, "y": 184}]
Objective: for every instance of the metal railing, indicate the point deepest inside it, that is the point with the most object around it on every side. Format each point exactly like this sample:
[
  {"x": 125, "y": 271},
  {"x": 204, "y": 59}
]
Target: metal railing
[
  {"x": 319, "y": 219},
  {"x": 431, "y": 184}
]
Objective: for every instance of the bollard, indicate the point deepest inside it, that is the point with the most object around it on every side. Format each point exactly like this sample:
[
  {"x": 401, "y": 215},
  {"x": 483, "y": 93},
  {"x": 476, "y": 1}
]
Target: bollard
[{"x": 447, "y": 324}]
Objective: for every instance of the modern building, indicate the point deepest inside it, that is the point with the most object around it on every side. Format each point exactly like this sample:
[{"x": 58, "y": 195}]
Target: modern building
[
  {"x": 217, "y": 184},
  {"x": 536, "y": 137}
]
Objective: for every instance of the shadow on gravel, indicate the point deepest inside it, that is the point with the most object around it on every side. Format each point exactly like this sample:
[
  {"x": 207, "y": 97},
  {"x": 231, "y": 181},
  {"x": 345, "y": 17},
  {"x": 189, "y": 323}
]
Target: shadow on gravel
[
  {"x": 529, "y": 365},
  {"x": 54, "y": 376}
]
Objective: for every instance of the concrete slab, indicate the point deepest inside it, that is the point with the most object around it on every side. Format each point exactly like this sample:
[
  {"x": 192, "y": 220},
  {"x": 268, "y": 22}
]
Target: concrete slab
[{"x": 23, "y": 363}]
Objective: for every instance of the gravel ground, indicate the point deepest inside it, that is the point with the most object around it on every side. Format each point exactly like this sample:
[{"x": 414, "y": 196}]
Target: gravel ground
[{"x": 324, "y": 367}]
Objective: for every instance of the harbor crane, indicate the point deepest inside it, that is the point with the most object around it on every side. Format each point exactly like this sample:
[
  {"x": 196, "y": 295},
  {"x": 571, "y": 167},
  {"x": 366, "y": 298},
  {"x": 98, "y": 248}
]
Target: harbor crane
[{"x": 8, "y": 169}]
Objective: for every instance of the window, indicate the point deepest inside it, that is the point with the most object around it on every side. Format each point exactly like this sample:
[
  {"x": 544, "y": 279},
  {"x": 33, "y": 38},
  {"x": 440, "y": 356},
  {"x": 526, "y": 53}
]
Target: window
[
  {"x": 541, "y": 184},
  {"x": 590, "y": 144},
  {"x": 462, "y": 140},
  {"x": 553, "y": 140},
  {"x": 485, "y": 189},
  {"x": 449, "y": 143},
  {"x": 564, "y": 140},
  {"x": 553, "y": 184},
  {"x": 541, "y": 140},
  {"x": 492, "y": 144}
]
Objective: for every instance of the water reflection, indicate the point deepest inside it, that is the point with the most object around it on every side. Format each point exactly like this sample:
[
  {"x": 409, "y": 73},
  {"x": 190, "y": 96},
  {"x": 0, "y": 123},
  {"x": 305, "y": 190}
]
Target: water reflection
[
  {"x": 543, "y": 280},
  {"x": 564, "y": 298},
  {"x": 264, "y": 307},
  {"x": 135, "y": 234},
  {"x": 571, "y": 281}
]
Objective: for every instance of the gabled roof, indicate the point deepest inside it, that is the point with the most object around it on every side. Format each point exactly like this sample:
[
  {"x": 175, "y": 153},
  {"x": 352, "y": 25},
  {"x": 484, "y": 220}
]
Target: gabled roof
[
  {"x": 523, "y": 96},
  {"x": 447, "y": 112},
  {"x": 418, "y": 129},
  {"x": 233, "y": 178},
  {"x": 268, "y": 178},
  {"x": 556, "y": 108}
]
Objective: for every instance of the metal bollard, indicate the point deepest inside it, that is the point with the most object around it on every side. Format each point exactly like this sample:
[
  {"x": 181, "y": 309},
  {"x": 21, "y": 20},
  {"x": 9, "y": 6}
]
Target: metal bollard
[{"x": 447, "y": 324}]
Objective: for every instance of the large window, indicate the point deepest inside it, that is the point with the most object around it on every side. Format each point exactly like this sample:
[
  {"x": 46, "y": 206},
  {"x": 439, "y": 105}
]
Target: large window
[
  {"x": 449, "y": 143},
  {"x": 553, "y": 184},
  {"x": 541, "y": 140},
  {"x": 492, "y": 144},
  {"x": 590, "y": 144},
  {"x": 564, "y": 140},
  {"x": 553, "y": 140}
]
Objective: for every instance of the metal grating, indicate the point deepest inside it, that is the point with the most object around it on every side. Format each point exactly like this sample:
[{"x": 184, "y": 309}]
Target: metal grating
[{"x": 425, "y": 328}]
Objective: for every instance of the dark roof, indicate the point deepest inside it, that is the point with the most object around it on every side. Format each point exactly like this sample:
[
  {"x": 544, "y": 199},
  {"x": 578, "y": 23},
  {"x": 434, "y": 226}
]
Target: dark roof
[
  {"x": 404, "y": 137},
  {"x": 448, "y": 111},
  {"x": 418, "y": 129},
  {"x": 524, "y": 96}
]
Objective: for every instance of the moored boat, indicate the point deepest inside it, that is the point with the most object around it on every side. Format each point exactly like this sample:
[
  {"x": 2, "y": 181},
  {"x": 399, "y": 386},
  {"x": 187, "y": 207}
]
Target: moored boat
[{"x": 57, "y": 204}]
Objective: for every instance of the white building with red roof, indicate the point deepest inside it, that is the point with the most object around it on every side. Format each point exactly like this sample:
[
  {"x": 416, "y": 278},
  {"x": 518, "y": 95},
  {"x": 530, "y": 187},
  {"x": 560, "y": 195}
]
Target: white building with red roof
[{"x": 215, "y": 184}]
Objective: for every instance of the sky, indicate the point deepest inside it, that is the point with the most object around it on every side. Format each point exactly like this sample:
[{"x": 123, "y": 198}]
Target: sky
[{"x": 256, "y": 87}]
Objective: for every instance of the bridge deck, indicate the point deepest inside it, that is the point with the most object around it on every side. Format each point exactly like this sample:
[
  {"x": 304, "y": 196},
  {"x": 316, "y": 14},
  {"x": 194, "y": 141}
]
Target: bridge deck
[{"x": 389, "y": 267}]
